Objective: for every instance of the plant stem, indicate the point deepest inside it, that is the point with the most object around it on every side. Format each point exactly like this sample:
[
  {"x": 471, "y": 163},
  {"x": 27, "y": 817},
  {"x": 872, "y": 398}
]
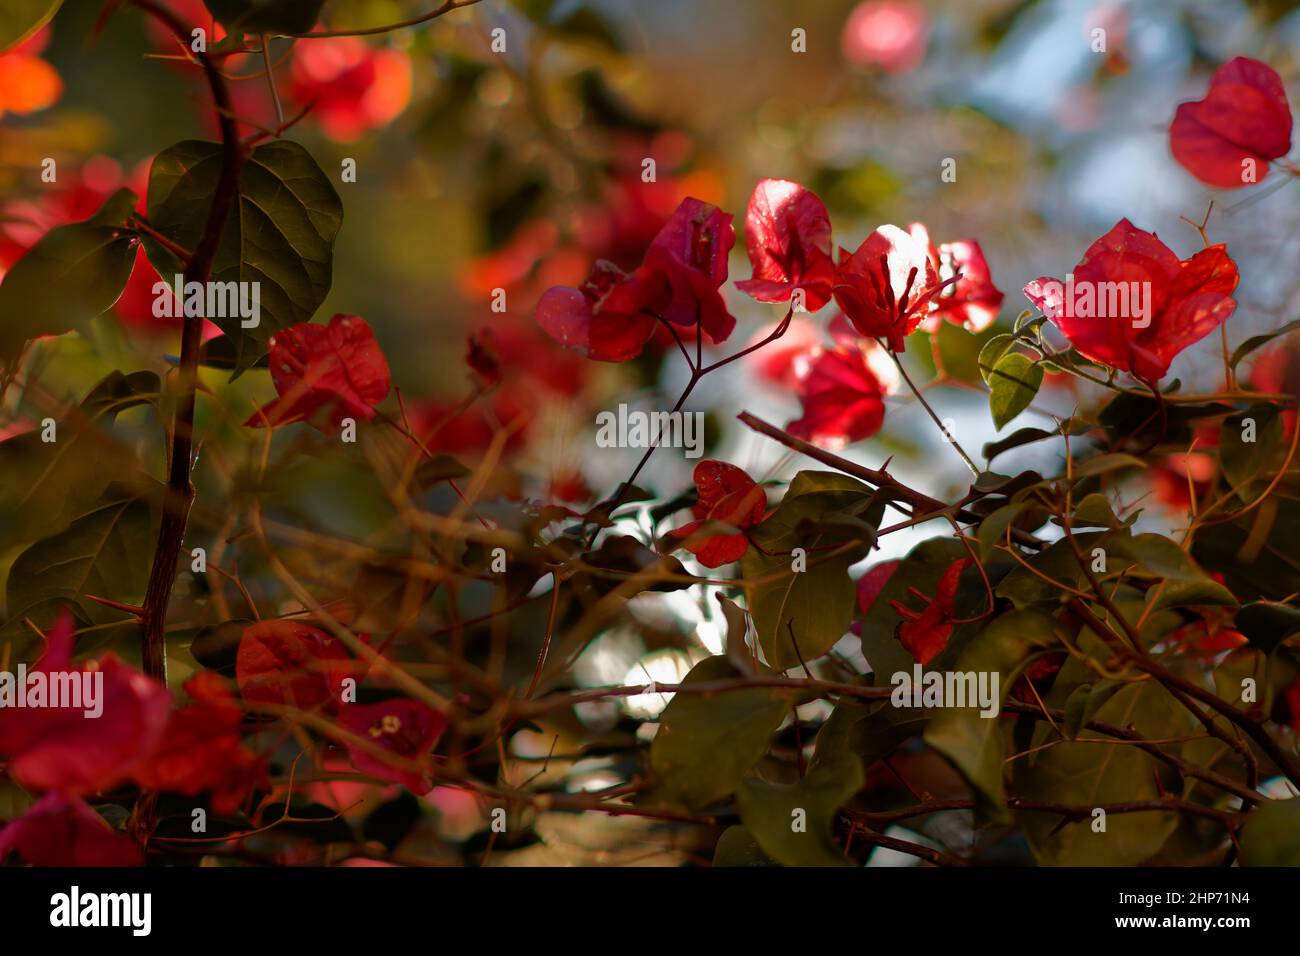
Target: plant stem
[
  {"x": 922, "y": 504},
  {"x": 948, "y": 436},
  {"x": 180, "y": 493}
]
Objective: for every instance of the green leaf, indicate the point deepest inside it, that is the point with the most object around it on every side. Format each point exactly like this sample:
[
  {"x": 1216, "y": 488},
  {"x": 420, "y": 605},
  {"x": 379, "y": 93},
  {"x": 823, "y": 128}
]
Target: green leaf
[
  {"x": 1083, "y": 703},
  {"x": 972, "y": 743},
  {"x": 1266, "y": 624},
  {"x": 1271, "y": 836},
  {"x": 793, "y": 823},
  {"x": 1133, "y": 417},
  {"x": 19, "y": 19},
  {"x": 73, "y": 274},
  {"x": 1242, "y": 460},
  {"x": 817, "y": 602},
  {"x": 219, "y": 352},
  {"x": 50, "y": 483},
  {"x": 868, "y": 730},
  {"x": 1058, "y": 563},
  {"x": 1095, "y": 511},
  {"x": 1027, "y": 436},
  {"x": 105, "y": 552},
  {"x": 706, "y": 743},
  {"x": 737, "y": 847},
  {"x": 992, "y": 531},
  {"x": 280, "y": 233},
  {"x": 1185, "y": 583},
  {"x": 266, "y": 16},
  {"x": 1091, "y": 774},
  {"x": 628, "y": 557},
  {"x": 1104, "y": 464},
  {"x": 1013, "y": 383},
  {"x": 1258, "y": 341},
  {"x": 993, "y": 350}
]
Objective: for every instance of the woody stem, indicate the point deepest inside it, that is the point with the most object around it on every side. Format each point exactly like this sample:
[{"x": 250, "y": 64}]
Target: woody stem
[{"x": 198, "y": 268}]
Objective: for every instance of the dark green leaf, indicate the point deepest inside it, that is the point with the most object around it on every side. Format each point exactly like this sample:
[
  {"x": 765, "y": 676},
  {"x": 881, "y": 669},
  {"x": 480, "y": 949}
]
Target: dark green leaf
[
  {"x": 971, "y": 742},
  {"x": 1271, "y": 836},
  {"x": 1095, "y": 511},
  {"x": 793, "y": 822},
  {"x": 1091, "y": 774},
  {"x": 1161, "y": 558},
  {"x": 870, "y": 730},
  {"x": 706, "y": 743},
  {"x": 19, "y": 19},
  {"x": 1242, "y": 460},
  {"x": 1266, "y": 624},
  {"x": 1013, "y": 383},
  {"x": 280, "y": 234},
  {"x": 50, "y": 483},
  {"x": 816, "y": 603},
  {"x": 1258, "y": 341},
  {"x": 993, "y": 350},
  {"x": 72, "y": 275},
  {"x": 105, "y": 553},
  {"x": 737, "y": 847},
  {"x": 266, "y": 16}
]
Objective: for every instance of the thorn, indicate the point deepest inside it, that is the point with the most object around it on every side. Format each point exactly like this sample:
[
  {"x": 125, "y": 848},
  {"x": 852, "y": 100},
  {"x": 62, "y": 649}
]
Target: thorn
[{"x": 118, "y": 605}]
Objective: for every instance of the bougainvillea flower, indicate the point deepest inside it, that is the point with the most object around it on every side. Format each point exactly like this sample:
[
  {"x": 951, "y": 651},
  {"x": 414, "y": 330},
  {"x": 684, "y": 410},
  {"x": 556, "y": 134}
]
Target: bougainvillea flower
[
  {"x": 1131, "y": 304},
  {"x": 292, "y": 664},
  {"x": 354, "y": 87},
  {"x": 727, "y": 495},
  {"x": 59, "y": 831},
  {"x": 1209, "y": 635},
  {"x": 408, "y": 729},
  {"x": 872, "y": 582},
  {"x": 690, "y": 253},
  {"x": 71, "y": 748},
  {"x": 888, "y": 286},
  {"x": 1228, "y": 138},
  {"x": 788, "y": 238},
  {"x": 630, "y": 212},
  {"x": 27, "y": 83},
  {"x": 890, "y": 34},
  {"x": 325, "y": 373},
  {"x": 610, "y": 317},
  {"x": 968, "y": 297},
  {"x": 925, "y": 633},
  {"x": 841, "y": 394},
  {"x": 202, "y": 750}
]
